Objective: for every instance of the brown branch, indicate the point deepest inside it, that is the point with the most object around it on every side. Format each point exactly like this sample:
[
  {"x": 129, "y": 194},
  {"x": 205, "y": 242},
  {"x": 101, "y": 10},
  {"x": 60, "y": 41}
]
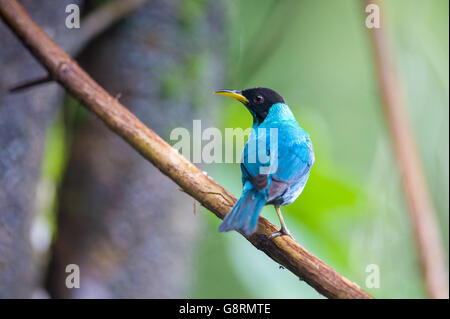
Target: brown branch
[
  {"x": 284, "y": 250},
  {"x": 423, "y": 218}
]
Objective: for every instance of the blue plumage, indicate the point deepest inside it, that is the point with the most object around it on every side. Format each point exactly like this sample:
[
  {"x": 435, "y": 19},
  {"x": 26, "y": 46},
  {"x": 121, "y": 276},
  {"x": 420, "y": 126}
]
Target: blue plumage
[{"x": 280, "y": 180}]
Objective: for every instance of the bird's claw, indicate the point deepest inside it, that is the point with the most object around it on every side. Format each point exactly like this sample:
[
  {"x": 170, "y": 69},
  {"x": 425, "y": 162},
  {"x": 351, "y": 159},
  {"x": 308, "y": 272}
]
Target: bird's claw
[{"x": 281, "y": 232}]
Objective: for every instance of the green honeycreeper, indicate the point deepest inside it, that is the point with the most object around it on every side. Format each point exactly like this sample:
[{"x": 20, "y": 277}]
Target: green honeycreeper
[{"x": 276, "y": 160}]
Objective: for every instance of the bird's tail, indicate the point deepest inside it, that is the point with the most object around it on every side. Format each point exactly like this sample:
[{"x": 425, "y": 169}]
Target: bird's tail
[{"x": 244, "y": 214}]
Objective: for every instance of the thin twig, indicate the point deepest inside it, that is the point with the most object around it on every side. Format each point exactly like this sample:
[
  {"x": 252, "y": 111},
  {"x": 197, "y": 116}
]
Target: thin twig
[
  {"x": 284, "y": 250},
  {"x": 423, "y": 218},
  {"x": 30, "y": 83}
]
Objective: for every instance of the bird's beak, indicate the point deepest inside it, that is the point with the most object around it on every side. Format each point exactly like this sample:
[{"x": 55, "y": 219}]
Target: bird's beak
[{"x": 234, "y": 94}]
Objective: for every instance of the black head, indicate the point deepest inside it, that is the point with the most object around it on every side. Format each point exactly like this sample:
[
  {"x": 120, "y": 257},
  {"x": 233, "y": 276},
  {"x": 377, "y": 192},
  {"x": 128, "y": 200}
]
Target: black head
[
  {"x": 260, "y": 100},
  {"x": 257, "y": 100}
]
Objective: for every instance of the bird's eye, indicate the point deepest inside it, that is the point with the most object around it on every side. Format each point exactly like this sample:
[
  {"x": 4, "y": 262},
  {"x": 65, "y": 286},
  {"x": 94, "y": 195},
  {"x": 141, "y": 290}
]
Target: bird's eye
[{"x": 258, "y": 99}]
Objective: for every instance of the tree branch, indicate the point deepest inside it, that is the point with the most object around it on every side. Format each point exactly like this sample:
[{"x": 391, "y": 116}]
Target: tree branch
[
  {"x": 284, "y": 250},
  {"x": 423, "y": 218}
]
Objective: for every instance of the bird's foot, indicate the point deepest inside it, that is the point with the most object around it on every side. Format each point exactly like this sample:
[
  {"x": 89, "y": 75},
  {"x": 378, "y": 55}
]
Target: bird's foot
[{"x": 281, "y": 232}]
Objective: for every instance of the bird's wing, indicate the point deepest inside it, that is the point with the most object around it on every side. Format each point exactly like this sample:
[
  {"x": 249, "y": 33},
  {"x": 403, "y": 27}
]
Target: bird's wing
[
  {"x": 256, "y": 155},
  {"x": 295, "y": 159},
  {"x": 291, "y": 158}
]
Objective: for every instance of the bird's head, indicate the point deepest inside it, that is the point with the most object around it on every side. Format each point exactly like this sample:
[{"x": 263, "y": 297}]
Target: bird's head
[{"x": 257, "y": 100}]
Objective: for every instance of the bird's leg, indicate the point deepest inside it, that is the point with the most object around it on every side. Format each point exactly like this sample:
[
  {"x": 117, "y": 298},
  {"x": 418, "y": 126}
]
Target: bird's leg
[{"x": 283, "y": 230}]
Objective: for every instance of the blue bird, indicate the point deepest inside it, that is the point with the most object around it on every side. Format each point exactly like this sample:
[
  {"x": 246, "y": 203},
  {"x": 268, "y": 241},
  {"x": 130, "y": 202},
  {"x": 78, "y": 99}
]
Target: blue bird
[{"x": 276, "y": 160}]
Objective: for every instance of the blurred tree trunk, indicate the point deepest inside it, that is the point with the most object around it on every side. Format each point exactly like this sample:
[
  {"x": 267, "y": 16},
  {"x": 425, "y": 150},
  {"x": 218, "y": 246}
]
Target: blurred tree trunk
[
  {"x": 23, "y": 121},
  {"x": 127, "y": 226}
]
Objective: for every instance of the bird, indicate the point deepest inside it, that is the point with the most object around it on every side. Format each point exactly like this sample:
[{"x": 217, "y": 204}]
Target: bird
[{"x": 287, "y": 153}]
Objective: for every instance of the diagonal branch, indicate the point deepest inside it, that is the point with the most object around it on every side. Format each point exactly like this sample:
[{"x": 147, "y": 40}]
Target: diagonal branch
[
  {"x": 423, "y": 218},
  {"x": 284, "y": 250}
]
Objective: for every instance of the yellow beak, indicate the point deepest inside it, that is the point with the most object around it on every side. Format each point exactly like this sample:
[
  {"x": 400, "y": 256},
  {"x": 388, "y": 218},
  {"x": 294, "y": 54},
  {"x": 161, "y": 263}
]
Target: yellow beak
[{"x": 234, "y": 94}]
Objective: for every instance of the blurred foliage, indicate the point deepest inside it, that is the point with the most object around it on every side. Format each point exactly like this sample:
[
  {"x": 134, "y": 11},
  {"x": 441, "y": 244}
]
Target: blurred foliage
[
  {"x": 53, "y": 162},
  {"x": 317, "y": 54}
]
